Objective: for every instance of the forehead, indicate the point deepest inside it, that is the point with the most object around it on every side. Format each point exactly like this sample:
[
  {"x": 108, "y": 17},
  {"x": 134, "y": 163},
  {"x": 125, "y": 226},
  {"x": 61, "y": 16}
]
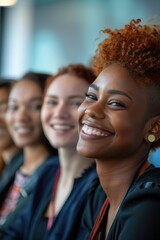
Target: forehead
[
  {"x": 116, "y": 77},
  {"x": 25, "y": 89},
  {"x": 66, "y": 85}
]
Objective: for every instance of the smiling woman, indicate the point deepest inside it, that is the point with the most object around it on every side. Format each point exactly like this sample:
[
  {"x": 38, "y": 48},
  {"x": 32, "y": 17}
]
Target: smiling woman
[
  {"x": 7, "y": 146},
  {"x": 24, "y": 124},
  {"x": 119, "y": 123},
  {"x": 60, "y": 196}
]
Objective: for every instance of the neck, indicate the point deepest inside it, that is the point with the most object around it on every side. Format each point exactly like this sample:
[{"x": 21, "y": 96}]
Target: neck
[
  {"x": 72, "y": 167},
  {"x": 116, "y": 178},
  {"x": 72, "y": 164},
  {"x": 33, "y": 158}
]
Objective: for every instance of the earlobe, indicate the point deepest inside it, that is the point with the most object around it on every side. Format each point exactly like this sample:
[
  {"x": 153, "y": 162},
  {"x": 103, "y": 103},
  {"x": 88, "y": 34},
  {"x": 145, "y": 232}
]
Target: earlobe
[{"x": 153, "y": 132}]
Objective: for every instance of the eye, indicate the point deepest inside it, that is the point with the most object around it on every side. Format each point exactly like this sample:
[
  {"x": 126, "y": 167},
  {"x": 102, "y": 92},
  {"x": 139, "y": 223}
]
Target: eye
[
  {"x": 35, "y": 106},
  {"x": 3, "y": 108},
  {"x": 116, "y": 104},
  {"x": 12, "y": 107},
  {"x": 91, "y": 96},
  {"x": 76, "y": 103},
  {"x": 51, "y": 102}
]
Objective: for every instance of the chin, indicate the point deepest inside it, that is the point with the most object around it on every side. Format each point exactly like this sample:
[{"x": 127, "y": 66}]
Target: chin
[
  {"x": 58, "y": 145},
  {"x": 85, "y": 153}
]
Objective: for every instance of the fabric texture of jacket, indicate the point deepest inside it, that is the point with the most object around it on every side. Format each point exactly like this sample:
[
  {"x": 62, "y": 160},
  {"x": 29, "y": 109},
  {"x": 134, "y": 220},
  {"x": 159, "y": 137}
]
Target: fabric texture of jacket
[
  {"x": 8, "y": 174},
  {"x": 67, "y": 222},
  {"x": 138, "y": 215},
  {"x": 27, "y": 190}
]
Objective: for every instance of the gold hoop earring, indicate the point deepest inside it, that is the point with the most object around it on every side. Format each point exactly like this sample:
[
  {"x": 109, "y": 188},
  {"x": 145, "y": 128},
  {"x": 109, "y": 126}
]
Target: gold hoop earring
[{"x": 151, "y": 138}]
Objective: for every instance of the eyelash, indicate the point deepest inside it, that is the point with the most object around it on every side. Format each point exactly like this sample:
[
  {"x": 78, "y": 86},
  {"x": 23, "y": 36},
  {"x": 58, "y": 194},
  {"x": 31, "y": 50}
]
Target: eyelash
[
  {"x": 55, "y": 103},
  {"x": 51, "y": 102},
  {"x": 112, "y": 103},
  {"x": 91, "y": 96},
  {"x": 115, "y": 103}
]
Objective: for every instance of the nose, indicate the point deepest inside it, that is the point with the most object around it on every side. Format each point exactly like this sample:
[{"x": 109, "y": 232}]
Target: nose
[
  {"x": 96, "y": 110},
  {"x": 22, "y": 114},
  {"x": 61, "y": 111}
]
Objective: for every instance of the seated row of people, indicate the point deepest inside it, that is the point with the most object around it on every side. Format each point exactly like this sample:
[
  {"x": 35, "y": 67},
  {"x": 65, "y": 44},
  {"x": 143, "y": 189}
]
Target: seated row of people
[
  {"x": 54, "y": 187},
  {"x": 101, "y": 184},
  {"x": 23, "y": 120},
  {"x": 8, "y": 149}
]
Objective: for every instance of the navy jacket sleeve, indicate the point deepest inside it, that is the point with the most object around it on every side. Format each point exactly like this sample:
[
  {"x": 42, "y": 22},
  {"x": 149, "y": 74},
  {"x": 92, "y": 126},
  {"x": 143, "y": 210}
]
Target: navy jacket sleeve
[{"x": 18, "y": 228}]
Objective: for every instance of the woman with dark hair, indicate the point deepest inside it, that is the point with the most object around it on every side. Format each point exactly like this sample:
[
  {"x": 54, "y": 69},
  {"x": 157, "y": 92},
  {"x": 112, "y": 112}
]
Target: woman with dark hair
[
  {"x": 8, "y": 149},
  {"x": 119, "y": 123},
  {"x": 24, "y": 124}
]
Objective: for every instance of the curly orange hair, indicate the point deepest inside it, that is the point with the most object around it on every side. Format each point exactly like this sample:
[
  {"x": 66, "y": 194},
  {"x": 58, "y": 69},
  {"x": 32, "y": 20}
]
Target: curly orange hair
[{"x": 135, "y": 47}]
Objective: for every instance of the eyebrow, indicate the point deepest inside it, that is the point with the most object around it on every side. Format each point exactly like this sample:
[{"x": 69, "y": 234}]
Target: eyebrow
[
  {"x": 31, "y": 99},
  {"x": 70, "y": 97},
  {"x": 76, "y": 96},
  {"x": 112, "y": 91},
  {"x": 94, "y": 86}
]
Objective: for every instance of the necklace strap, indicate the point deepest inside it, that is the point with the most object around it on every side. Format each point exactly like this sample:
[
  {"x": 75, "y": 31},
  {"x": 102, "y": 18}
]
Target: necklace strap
[{"x": 50, "y": 219}]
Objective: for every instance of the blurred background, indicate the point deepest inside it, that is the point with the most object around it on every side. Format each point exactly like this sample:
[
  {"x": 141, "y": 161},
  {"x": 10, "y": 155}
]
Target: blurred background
[{"x": 43, "y": 35}]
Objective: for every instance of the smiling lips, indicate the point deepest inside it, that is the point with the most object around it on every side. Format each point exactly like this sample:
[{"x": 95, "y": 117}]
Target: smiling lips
[
  {"x": 23, "y": 130},
  {"x": 62, "y": 127},
  {"x": 94, "y": 131}
]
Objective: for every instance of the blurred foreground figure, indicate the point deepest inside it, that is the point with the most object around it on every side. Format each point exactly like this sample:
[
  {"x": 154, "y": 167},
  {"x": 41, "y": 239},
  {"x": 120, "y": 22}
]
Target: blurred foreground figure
[
  {"x": 8, "y": 149},
  {"x": 24, "y": 123},
  {"x": 59, "y": 200}
]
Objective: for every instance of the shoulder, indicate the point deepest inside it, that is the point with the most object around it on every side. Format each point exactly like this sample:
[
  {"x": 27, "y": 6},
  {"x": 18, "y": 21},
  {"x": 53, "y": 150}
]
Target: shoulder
[
  {"x": 9, "y": 171},
  {"x": 51, "y": 161},
  {"x": 141, "y": 207},
  {"x": 47, "y": 171},
  {"x": 144, "y": 194},
  {"x": 49, "y": 166},
  {"x": 14, "y": 164},
  {"x": 148, "y": 181}
]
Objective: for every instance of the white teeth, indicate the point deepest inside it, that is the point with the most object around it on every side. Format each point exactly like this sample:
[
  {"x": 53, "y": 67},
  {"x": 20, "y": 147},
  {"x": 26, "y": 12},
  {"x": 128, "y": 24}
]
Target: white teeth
[
  {"x": 92, "y": 131},
  {"x": 89, "y": 131},
  {"x": 23, "y": 130},
  {"x": 62, "y": 127}
]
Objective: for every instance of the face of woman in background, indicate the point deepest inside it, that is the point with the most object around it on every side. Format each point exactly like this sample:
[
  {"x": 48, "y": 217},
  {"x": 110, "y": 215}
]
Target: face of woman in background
[
  {"x": 5, "y": 138},
  {"x": 23, "y": 114},
  {"x": 113, "y": 116},
  {"x": 59, "y": 111}
]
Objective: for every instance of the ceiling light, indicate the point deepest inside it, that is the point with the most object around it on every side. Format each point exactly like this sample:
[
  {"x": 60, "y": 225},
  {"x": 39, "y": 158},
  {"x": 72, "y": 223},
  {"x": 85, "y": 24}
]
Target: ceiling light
[{"x": 5, "y": 3}]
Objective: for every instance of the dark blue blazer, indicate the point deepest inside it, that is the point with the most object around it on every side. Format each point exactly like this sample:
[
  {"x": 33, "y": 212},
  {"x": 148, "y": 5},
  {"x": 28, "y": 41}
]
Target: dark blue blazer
[
  {"x": 66, "y": 223},
  {"x": 26, "y": 193}
]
